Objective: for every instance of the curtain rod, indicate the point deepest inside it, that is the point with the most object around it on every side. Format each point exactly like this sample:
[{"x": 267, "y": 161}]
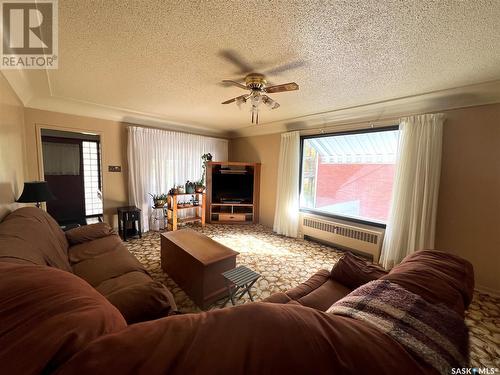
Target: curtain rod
[
  {"x": 129, "y": 124},
  {"x": 351, "y": 126}
]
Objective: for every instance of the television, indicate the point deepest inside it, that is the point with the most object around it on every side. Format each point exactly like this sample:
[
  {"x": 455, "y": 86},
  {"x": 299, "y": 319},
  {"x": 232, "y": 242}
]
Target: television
[{"x": 232, "y": 187}]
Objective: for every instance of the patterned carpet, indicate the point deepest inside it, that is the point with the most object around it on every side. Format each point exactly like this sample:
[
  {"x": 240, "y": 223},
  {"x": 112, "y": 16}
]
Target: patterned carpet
[{"x": 284, "y": 263}]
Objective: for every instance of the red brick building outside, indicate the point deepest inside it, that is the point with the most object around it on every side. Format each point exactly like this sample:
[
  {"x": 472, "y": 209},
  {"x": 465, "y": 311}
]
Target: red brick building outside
[{"x": 368, "y": 185}]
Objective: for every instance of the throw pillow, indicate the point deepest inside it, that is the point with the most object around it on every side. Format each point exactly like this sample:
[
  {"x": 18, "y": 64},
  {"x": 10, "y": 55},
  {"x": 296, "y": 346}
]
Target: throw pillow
[
  {"x": 88, "y": 233},
  {"x": 353, "y": 271}
]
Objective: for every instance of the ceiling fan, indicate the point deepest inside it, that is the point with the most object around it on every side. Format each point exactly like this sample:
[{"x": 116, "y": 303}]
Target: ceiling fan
[{"x": 257, "y": 84}]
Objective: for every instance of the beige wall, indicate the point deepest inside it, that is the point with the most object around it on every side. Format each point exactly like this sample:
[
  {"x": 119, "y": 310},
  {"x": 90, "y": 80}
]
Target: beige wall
[
  {"x": 468, "y": 218},
  {"x": 113, "y": 143},
  {"x": 263, "y": 149},
  {"x": 469, "y": 200},
  {"x": 11, "y": 147}
]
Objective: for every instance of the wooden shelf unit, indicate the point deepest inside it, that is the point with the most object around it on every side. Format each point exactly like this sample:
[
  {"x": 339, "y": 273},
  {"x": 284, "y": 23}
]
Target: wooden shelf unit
[
  {"x": 229, "y": 212},
  {"x": 173, "y": 209}
]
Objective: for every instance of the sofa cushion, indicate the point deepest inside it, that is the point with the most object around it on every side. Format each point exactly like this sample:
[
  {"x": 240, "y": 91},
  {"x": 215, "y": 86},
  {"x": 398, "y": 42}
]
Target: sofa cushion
[
  {"x": 47, "y": 315},
  {"x": 32, "y": 235},
  {"x": 107, "y": 265},
  {"x": 88, "y": 233},
  {"x": 325, "y": 295},
  {"x": 318, "y": 292},
  {"x": 278, "y": 297},
  {"x": 137, "y": 296},
  {"x": 353, "y": 271},
  {"x": 315, "y": 281},
  {"x": 436, "y": 276},
  {"x": 92, "y": 249}
]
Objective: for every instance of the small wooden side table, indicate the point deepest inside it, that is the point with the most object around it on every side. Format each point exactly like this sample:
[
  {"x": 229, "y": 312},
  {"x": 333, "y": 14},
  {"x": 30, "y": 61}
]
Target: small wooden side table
[
  {"x": 173, "y": 208},
  {"x": 129, "y": 222}
]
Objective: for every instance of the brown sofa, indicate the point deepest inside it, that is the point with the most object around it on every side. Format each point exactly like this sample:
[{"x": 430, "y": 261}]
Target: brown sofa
[
  {"x": 324, "y": 288},
  {"x": 436, "y": 276},
  {"x": 53, "y": 322},
  {"x": 94, "y": 253}
]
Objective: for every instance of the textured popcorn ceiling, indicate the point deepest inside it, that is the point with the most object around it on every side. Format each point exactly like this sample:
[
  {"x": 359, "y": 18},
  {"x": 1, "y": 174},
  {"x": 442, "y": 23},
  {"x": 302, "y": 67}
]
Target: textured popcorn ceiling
[{"x": 161, "y": 58}]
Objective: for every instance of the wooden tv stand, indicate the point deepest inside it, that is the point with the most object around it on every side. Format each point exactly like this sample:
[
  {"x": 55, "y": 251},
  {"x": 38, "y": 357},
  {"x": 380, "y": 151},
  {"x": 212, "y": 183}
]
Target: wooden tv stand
[{"x": 235, "y": 211}]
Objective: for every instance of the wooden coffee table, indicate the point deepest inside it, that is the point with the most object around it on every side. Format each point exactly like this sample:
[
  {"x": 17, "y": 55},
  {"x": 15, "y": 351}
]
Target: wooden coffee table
[{"x": 196, "y": 263}]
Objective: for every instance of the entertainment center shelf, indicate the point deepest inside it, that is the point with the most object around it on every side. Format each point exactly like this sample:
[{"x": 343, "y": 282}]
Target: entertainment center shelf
[
  {"x": 233, "y": 190},
  {"x": 231, "y": 212}
]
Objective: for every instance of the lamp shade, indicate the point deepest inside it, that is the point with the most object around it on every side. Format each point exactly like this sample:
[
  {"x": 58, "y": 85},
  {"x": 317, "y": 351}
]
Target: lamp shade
[{"x": 36, "y": 191}]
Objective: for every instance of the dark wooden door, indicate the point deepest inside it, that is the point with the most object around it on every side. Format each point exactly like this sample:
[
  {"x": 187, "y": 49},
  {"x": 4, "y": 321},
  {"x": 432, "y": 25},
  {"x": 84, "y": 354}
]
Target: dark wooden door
[{"x": 68, "y": 188}]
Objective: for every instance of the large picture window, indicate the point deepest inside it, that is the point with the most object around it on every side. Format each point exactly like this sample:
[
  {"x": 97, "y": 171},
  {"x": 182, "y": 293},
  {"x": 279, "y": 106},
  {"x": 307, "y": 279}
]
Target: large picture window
[{"x": 349, "y": 175}]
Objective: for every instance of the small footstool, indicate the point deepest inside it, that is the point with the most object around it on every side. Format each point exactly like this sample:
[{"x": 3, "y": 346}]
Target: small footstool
[{"x": 238, "y": 278}]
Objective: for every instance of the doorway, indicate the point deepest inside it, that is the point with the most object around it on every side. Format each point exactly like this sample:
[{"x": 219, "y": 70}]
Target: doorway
[{"x": 72, "y": 169}]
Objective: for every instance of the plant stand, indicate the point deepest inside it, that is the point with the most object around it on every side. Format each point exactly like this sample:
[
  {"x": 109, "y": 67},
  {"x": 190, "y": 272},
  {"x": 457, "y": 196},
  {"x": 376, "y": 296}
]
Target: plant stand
[
  {"x": 158, "y": 219},
  {"x": 174, "y": 209}
]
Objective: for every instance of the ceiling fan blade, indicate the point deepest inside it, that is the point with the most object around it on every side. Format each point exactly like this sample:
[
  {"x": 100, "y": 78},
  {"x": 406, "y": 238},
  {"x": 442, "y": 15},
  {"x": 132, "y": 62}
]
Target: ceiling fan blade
[
  {"x": 244, "y": 97},
  {"x": 285, "y": 67},
  {"x": 272, "y": 104},
  {"x": 237, "y": 60},
  {"x": 233, "y": 83},
  {"x": 291, "y": 86}
]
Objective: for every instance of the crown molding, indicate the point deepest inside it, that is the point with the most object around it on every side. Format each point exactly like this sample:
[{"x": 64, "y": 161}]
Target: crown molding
[
  {"x": 442, "y": 100},
  {"x": 34, "y": 90},
  {"x": 79, "y": 108}
]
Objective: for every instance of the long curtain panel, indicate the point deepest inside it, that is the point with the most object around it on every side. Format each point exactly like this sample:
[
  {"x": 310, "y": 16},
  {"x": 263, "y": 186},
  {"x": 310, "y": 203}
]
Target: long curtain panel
[
  {"x": 286, "y": 216},
  {"x": 159, "y": 159},
  {"x": 412, "y": 220}
]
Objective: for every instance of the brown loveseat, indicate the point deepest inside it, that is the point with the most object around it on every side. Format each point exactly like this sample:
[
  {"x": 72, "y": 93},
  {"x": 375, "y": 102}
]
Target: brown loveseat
[{"x": 94, "y": 253}]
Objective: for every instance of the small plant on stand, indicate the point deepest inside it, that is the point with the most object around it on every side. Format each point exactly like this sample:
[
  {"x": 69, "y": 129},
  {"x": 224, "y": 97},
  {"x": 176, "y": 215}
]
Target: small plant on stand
[
  {"x": 199, "y": 187},
  {"x": 159, "y": 200}
]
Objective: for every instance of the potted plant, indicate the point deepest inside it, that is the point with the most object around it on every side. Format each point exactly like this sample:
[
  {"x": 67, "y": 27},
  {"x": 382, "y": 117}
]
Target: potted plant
[
  {"x": 205, "y": 159},
  {"x": 199, "y": 187},
  {"x": 190, "y": 187},
  {"x": 159, "y": 200}
]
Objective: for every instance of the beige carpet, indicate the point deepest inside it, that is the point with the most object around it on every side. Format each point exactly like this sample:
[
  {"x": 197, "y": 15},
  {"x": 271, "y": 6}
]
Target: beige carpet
[{"x": 284, "y": 263}]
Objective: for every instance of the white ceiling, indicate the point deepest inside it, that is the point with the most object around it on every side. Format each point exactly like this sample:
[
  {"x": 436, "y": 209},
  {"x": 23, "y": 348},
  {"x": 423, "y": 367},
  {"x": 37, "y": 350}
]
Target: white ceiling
[{"x": 160, "y": 63}]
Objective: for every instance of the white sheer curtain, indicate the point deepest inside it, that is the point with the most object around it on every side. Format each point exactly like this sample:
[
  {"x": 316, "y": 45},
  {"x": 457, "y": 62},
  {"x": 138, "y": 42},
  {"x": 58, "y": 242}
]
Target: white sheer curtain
[
  {"x": 61, "y": 159},
  {"x": 159, "y": 159},
  {"x": 286, "y": 216},
  {"x": 412, "y": 220}
]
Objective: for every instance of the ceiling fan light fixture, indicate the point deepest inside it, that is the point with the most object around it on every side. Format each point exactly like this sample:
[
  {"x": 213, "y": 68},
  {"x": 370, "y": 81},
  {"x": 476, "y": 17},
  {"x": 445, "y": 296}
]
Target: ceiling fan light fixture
[
  {"x": 256, "y": 83},
  {"x": 272, "y": 105},
  {"x": 240, "y": 101}
]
